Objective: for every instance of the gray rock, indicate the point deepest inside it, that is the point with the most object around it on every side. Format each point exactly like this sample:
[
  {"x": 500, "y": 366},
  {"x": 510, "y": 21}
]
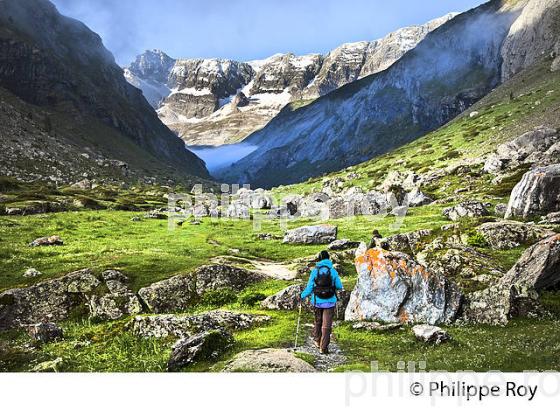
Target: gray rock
[
  {"x": 538, "y": 193},
  {"x": 175, "y": 294},
  {"x": 203, "y": 346},
  {"x": 45, "y": 332},
  {"x": 238, "y": 210},
  {"x": 114, "y": 306},
  {"x": 268, "y": 361},
  {"x": 342, "y": 245},
  {"x": 430, "y": 334},
  {"x": 529, "y": 148},
  {"x": 47, "y": 241},
  {"x": 409, "y": 243},
  {"x": 516, "y": 293},
  {"x": 31, "y": 273},
  {"x": 417, "y": 198},
  {"x": 552, "y": 218},
  {"x": 286, "y": 299},
  {"x": 394, "y": 288},
  {"x": 48, "y": 366},
  {"x": 376, "y": 326},
  {"x": 51, "y": 300},
  {"x": 180, "y": 292},
  {"x": 500, "y": 210},
  {"x": 319, "y": 234},
  {"x": 509, "y": 234},
  {"x": 155, "y": 214},
  {"x": 468, "y": 209},
  {"x": 183, "y": 326}
]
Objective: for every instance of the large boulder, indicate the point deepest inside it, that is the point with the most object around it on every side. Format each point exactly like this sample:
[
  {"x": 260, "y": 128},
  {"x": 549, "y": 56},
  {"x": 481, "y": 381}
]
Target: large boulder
[
  {"x": 409, "y": 243},
  {"x": 529, "y": 148},
  {"x": 509, "y": 234},
  {"x": 516, "y": 293},
  {"x": 468, "y": 209},
  {"x": 188, "y": 325},
  {"x": 394, "y": 288},
  {"x": 286, "y": 299},
  {"x": 180, "y": 292},
  {"x": 318, "y": 234},
  {"x": 342, "y": 245},
  {"x": 238, "y": 210},
  {"x": 268, "y": 361},
  {"x": 203, "y": 346},
  {"x": 538, "y": 193},
  {"x": 51, "y": 300},
  {"x": 417, "y": 198},
  {"x": 175, "y": 294}
]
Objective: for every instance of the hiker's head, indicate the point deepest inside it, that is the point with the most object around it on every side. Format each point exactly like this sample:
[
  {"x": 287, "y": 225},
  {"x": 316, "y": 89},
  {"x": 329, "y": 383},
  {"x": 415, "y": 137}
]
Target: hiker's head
[{"x": 323, "y": 255}]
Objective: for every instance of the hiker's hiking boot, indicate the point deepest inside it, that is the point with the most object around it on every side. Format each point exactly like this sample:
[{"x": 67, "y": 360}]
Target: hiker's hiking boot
[
  {"x": 317, "y": 344},
  {"x": 325, "y": 351}
]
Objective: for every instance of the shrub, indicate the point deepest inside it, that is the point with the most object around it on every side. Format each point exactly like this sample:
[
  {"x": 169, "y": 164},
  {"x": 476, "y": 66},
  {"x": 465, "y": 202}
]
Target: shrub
[
  {"x": 477, "y": 240},
  {"x": 218, "y": 297},
  {"x": 250, "y": 298}
]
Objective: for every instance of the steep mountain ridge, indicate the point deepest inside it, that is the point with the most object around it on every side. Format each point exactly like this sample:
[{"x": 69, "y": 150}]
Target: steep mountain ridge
[
  {"x": 205, "y": 115},
  {"x": 453, "y": 67},
  {"x": 58, "y": 64}
]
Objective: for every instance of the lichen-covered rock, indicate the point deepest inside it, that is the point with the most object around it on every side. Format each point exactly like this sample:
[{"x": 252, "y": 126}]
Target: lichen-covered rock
[
  {"x": 51, "y": 300},
  {"x": 500, "y": 210},
  {"x": 45, "y": 332},
  {"x": 417, "y": 198},
  {"x": 318, "y": 234},
  {"x": 180, "y": 292},
  {"x": 203, "y": 346},
  {"x": 268, "y": 361},
  {"x": 286, "y": 299},
  {"x": 552, "y": 218},
  {"x": 53, "y": 240},
  {"x": 538, "y": 193},
  {"x": 188, "y": 325},
  {"x": 508, "y": 234},
  {"x": 175, "y": 294},
  {"x": 394, "y": 288},
  {"x": 114, "y": 306},
  {"x": 409, "y": 243},
  {"x": 516, "y": 293},
  {"x": 468, "y": 209},
  {"x": 213, "y": 277},
  {"x": 430, "y": 334},
  {"x": 375, "y": 326}
]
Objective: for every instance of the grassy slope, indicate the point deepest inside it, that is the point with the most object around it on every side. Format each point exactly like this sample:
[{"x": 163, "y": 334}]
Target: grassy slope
[{"x": 536, "y": 102}]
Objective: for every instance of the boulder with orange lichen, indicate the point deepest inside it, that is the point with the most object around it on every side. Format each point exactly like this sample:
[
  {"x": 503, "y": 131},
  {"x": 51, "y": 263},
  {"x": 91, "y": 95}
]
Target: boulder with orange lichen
[{"x": 392, "y": 287}]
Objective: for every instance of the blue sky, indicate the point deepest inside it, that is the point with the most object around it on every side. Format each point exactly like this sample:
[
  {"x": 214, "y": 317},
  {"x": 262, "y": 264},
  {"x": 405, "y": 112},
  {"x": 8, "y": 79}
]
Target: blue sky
[{"x": 247, "y": 29}]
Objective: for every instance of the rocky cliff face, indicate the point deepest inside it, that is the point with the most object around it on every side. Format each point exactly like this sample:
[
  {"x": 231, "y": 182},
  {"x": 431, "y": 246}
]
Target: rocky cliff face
[
  {"x": 451, "y": 69},
  {"x": 534, "y": 35},
  {"x": 57, "y": 63},
  {"x": 203, "y": 107}
]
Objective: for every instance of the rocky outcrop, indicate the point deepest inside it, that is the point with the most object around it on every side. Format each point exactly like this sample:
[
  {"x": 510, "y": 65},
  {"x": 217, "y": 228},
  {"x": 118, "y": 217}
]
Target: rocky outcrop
[
  {"x": 536, "y": 147},
  {"x": 430, "y": 334},
  {"x": 468, "y": 209},
  {"x": 516, "y": 293},
  {"x": 532, "y": 37},
  {"x": 161, "y": 326},
  {"x": 56, "y": 299},
  {"x": 538, "y": 193},
  {"x": 178, "y": 293},
  {"x": 394, "y": 288},
  {"x": 508, "y": 235},
  {"x": 318, "y": 234},
  {"x": 268, "y": 361},
  {"x": 286, "y": 299},
  {"x": 203, "y": 346}
]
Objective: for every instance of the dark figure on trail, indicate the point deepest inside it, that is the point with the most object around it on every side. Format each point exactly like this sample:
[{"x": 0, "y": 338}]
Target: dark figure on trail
[{"x": 323, "y": 283}]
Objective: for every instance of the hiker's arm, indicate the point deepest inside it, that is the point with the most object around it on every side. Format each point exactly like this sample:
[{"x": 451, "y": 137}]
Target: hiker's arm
[
  {"x": 309, "y": 288},
  {"x": 337, "y": 281}
]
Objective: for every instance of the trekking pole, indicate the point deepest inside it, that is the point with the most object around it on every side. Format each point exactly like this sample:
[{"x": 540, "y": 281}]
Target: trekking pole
[{"x": 297, "y": 327}]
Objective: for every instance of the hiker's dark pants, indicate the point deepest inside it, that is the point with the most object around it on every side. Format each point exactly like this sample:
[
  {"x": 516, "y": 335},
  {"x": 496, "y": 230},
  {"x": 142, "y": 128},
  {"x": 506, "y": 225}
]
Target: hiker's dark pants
[{"x": 323, "y": 326}]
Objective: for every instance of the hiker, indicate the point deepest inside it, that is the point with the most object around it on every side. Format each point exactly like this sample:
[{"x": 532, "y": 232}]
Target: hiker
[{"x": 321, "y": 287}]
